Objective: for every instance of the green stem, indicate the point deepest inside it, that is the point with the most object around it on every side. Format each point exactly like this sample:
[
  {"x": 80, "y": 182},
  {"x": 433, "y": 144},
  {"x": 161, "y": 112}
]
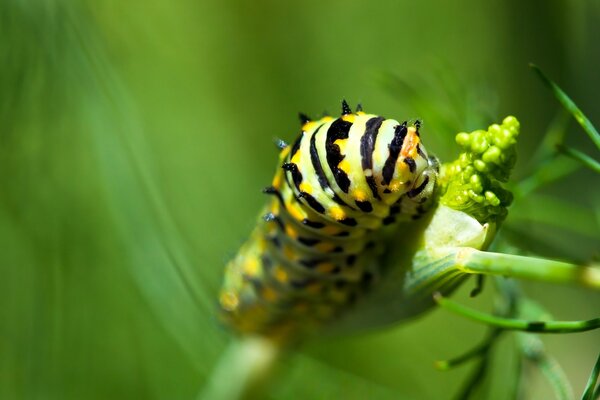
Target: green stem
[
  {"x": 244, "y": 370},
  {"x": 471, "y": 261},
  {"x": 517, "y": 324}
]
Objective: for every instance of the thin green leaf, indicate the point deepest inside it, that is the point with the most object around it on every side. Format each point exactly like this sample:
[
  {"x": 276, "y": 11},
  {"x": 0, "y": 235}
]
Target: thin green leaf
[
  {"x": 517, "y": 324},
  {"x": 583, "y": 158},
  {"x": 588, "y": 393},
  {"x": 567, "y": 103},
  {"x": 533, "y": 350},
  {"x": 480, "y": 350}
]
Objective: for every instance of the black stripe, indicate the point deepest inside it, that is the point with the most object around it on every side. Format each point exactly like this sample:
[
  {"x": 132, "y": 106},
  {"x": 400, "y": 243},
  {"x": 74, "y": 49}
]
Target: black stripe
[
  {"x": 412, "y": 166},
  {"x": 303, "y": 118},
  {"x": 296, "y": 174},
  {"x": 316, "y": 163},
  {"x": 421, "y": 152},
  {"x": 364, "y": 206},
  {"x": 416, "y": 191},
  {"x": 338, "y": 130},
  {"x": 308, "y": 241},
  {"x": 313, "y": 224},
  {"x": 395, "y": 146},
  {"x": 389, "y": 220},
  {"x": 312, "y": 202},
  {"x": 348, "y": 222},
  {"x": 367, "y": 147},
  {"x": 272, "y": 190},
  {"x": 296, "y": 145},
  {"x": 312, "y": 263}
]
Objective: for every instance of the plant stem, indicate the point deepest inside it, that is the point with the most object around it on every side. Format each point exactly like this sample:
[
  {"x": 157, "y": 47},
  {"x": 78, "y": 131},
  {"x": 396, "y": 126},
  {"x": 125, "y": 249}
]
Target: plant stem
[
  {"x": 243, "y": 371},
  {"x": 518, "y": 324},
  {"x": 473, "y": 261}
]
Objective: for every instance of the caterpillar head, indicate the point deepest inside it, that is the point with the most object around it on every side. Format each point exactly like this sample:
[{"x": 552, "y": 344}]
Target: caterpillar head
[{"x": 402, "y": 165}]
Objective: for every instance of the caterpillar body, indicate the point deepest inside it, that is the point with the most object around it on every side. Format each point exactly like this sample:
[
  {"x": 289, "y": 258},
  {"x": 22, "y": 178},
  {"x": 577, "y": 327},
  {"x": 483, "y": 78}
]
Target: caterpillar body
[{"x": 343, "y": 184}]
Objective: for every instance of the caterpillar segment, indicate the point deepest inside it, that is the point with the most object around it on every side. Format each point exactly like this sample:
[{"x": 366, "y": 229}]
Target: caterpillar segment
[{"x": 339, "y": 189}]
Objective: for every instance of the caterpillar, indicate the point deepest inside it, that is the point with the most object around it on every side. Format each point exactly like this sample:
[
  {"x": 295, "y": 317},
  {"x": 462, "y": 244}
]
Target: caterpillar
[{"x": 343, "y": 185}]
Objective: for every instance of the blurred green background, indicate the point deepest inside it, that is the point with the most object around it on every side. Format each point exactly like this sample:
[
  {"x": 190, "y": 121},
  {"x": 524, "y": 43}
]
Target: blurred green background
[{"x": 135, "y": 138}]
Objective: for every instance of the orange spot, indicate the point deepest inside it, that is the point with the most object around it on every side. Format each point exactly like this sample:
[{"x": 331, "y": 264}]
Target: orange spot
[
  {"x": 269, "y": 294},
  {"x": 291, "y": 232},
  {"x": 280, "y": 274},
  {"x": 325, "y": 267},
  {"x": 301, "y": 308},
  {"x": 324, "y": 247},
  {"x": 330, "y": 230},
  {"x": 409, "y": 148},
  {"x": 313, "y": 288},
  {"x": 289, "y": 253}
]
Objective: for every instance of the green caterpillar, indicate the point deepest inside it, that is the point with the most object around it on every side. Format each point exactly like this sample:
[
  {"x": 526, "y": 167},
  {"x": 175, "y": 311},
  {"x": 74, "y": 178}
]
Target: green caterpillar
[{"x": 342, "y": 184}]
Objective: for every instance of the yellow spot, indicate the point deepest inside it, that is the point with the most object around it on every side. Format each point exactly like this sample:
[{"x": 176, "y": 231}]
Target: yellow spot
[
  {"x": 284, "y": 152},
  {"x": 262, "y": 244},
  {"x": 270, "y": 229},
  {"x": 300, "y": 308},
  {"x": 325, "y": 267},
  {"x": 338, "y": 295},
  {"x": 280, "y": 274},
  {"x": 269, "y": 294},
  {"x": 229, "y": 301},
  {"x": 360, "y": 113},
  {"x": 324, "y": 311},
  {"x": 306, "y": 187},
  {"x": 296, "y": 157},
  {"x": 360, "y": 195},
  {"x": 409, "y": 147},
  {"x": 349, "y": 117},
  {"x": 288, "y": 252},
  {"x": 277, "y": 180},
  {"x": 331, "y": 230},
  {"x": 295, "y": 211},
  {"x": 337, "y": 213},
  {"x": 313, "y": 288},
  {"x": 341, "y": 144},
  {"x": 324, "y": 247},
  {"x": 345, "y": 166},
  {"x": 251, "y": 267},
  {"x": 291, "y": 232},
  {"x": 395, "y": 185},
  {"x": 275, "y": 207}
]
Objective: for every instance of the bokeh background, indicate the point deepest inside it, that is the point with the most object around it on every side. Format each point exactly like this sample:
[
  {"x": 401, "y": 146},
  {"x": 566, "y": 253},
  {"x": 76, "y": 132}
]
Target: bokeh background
[{"x": 135, "y": 138}]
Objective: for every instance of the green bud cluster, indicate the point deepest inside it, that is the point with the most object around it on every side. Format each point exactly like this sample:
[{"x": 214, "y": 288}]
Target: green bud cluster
[{"x": 472, "y": 182}]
